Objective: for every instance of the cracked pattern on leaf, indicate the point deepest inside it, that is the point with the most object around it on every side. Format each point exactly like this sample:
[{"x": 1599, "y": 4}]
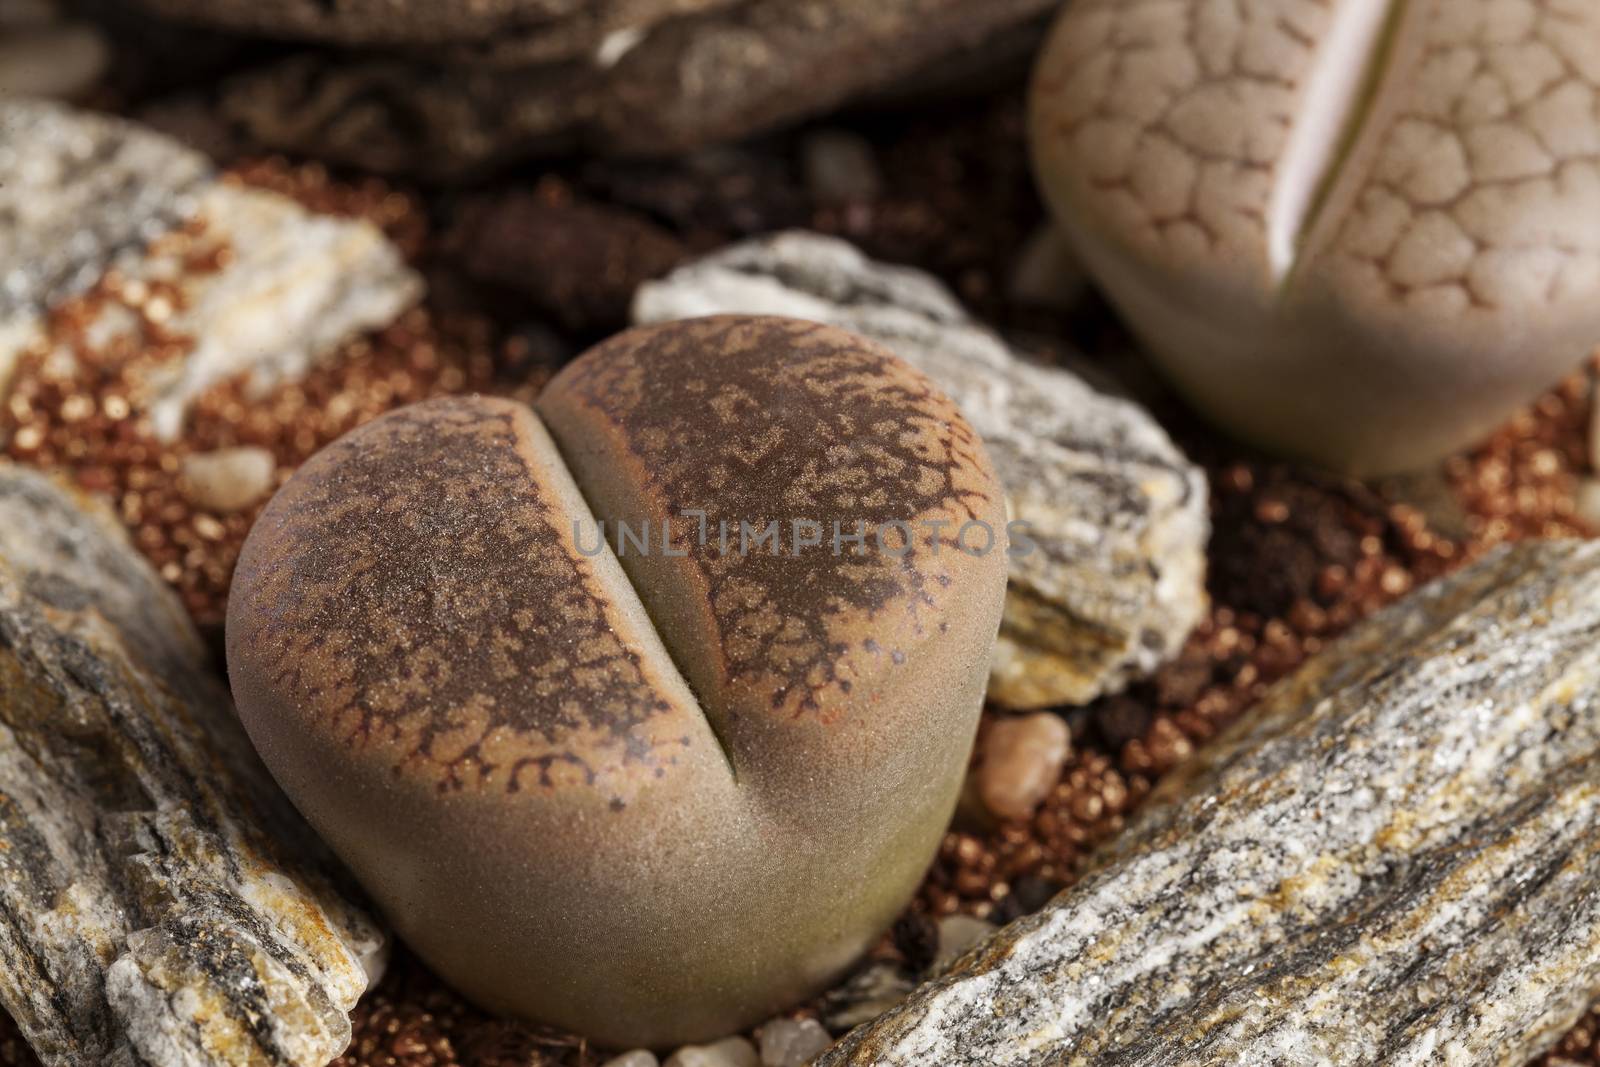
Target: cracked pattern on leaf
[
  {"x": 414, "y": 590},
  {"x": 1484, "y": 187},
  {"x": 1473, "y": 180},
  {"x": 1175, "y": 114}
]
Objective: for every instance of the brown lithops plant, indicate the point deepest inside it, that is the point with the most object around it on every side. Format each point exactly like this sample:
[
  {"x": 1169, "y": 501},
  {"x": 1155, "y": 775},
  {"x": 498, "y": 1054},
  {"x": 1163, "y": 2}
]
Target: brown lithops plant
[
  {"x": 657, "y": 795},
  {"x": 1358, "y": 231}
]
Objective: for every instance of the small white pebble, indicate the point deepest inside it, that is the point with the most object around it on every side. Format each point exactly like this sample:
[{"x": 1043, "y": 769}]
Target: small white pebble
[
  {"x": 1022, "y": 762},
  {"x": 229, "y": 479},
  {"x": 617, "y": 44},
  {"x": 792, "y": 1042},
  {"x": 1587, "y": 504},
  {"x": 729, "y": 1052},
  {"x": 957, "y": 934},
  {"x": 637, "y": 1058},
  {"x": 840, "y": 167}
]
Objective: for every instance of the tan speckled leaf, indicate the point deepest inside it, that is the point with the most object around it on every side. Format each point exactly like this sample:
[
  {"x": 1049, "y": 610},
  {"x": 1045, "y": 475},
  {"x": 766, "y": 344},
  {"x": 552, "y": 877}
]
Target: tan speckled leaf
[{"x": 480, "y": 706}]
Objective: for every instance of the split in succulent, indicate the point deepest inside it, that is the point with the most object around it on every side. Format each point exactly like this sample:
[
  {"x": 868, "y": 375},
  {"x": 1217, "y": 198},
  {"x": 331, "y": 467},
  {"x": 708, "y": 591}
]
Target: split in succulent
[{"x": 652, "y": 794}]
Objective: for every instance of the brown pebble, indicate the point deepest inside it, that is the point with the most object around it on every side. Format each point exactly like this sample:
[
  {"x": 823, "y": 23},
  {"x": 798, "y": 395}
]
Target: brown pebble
[{"x": 1022, "y": 762}]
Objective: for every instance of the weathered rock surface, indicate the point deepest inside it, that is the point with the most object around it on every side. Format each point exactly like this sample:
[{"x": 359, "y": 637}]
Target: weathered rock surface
[
  {"x": 1395, "y": 860},
  {"x": 634, "y": 77},
  {"x": 427, "y": 22},
  {"x": 1117, "y": 577},
  {"x": 160, "y": 902},
  {"x": 76, "y": 189},
  {"x": 257, "y": 285}
]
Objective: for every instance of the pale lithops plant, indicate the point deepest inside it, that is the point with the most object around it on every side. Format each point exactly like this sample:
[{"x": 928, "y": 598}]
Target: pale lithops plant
[
  {"x": 1359, "y": 231},
  {"x": 657, "y": 796}
]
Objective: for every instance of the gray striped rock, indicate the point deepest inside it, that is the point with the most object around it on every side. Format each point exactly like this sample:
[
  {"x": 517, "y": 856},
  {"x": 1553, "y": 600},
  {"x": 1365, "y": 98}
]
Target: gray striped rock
[
  {"x": 160, "y": 902},
  {"x": 1118, "y": 515},
  {"x": 81, "y": 194},
  {"x": 1395, "y": 860}
]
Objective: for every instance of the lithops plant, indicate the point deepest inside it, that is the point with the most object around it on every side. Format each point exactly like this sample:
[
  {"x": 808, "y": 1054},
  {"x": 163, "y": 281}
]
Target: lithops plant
[
  {"x": 1358, "y": 231},
  {"x": 653, "y": 795}
]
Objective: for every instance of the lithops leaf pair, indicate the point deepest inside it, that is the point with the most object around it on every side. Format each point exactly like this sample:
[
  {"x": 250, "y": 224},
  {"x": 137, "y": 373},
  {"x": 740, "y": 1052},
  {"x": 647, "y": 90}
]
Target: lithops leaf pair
[
  {"x": 658, "y": 794},
  {"x": 1359, "y": 231}
]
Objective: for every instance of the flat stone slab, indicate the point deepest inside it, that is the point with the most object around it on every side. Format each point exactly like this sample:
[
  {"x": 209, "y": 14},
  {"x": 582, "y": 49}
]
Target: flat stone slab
[
  {"x": 1118, "y": 515},
  {"x": 160, "y": 902},
  {"x": 1394, "y": 860},
  {"x": 621, "y": 77}
]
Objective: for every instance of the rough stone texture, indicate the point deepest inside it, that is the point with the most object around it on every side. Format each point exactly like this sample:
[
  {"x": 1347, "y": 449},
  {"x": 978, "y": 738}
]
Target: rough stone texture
[
  {"x": 638, "y": 82},
  {"x": 160, "y": 902},
  {"x": 75, "y": 190},
  {"x": 429, "y": 23},
  {"x": 81, "y": 194},
  {"x": 1363, "y": 233},
  {"x": 1117, "y": 513},
  {"x": 1395, "y": 860}
]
